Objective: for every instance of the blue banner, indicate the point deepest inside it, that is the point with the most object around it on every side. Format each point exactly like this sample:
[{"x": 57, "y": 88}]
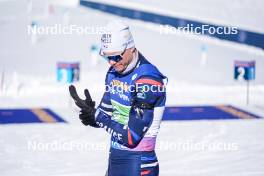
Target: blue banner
[
  {"x": 240, "y": 36},
  {"x": 206, "y": 113},
  {"x": 36, "y": 115}
]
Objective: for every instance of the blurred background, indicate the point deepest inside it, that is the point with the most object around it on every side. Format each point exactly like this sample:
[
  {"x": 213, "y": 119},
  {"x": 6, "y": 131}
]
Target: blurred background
[{"x": 213, "y": 122}]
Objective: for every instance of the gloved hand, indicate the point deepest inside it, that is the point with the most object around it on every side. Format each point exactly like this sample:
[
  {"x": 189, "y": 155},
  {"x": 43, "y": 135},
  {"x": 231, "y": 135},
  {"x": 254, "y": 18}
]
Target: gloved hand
[{"x": 87, "y": 106}]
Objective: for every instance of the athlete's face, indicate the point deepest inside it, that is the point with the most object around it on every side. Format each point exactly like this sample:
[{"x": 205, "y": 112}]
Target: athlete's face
[{"x": 127, "y": 57}]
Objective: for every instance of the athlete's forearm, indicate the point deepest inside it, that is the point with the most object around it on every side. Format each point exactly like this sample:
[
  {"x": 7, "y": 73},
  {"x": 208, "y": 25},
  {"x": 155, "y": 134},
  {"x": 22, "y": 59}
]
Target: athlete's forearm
[{"x": 129, "y": 135}]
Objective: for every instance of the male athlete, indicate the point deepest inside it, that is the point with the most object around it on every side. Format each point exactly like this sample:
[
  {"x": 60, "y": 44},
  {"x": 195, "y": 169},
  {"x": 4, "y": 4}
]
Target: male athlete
[{"x": 132, "y": 106}]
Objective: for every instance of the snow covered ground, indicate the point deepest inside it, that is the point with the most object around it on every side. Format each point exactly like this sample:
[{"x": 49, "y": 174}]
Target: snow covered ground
[
  {"x": 28, "y": 71},
  {"x": 204, "y": 148}
]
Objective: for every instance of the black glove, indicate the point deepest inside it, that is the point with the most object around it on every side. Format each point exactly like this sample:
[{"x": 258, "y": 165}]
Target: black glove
[{"x": 87, "y": 106}]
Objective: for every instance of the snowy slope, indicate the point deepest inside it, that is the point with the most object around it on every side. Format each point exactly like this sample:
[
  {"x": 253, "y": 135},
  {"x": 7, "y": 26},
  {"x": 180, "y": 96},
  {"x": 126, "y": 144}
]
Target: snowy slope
[
  {"x": 245, "y": 14},
  {"x": 179, "y": 56},
  {"x": 30, "y": 81}
]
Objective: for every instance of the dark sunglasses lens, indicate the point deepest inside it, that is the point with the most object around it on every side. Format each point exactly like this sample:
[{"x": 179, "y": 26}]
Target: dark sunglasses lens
[{"x": 116, "y": 58}]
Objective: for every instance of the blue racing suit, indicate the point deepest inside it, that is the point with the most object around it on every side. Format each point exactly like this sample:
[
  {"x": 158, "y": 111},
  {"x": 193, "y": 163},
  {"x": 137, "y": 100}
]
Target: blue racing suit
[{"x": 131, "y": 111}]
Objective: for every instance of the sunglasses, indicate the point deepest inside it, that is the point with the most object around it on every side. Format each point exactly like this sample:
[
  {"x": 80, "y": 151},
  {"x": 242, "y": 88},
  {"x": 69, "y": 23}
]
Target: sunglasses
[{"x": 115, "y": 58}]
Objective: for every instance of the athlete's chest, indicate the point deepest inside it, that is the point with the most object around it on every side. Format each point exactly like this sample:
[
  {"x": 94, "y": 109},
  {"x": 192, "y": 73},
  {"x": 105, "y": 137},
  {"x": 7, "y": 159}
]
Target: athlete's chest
[{"x": 122, "y": 88}]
